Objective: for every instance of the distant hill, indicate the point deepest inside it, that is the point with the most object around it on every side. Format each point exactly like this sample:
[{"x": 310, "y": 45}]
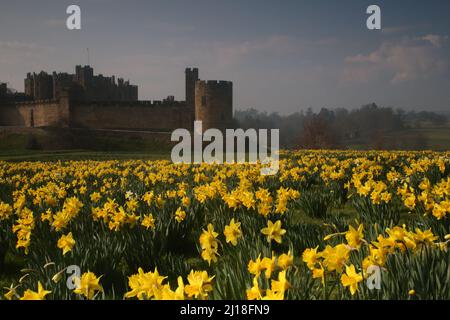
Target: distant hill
[{"x": 443, "y": 112}]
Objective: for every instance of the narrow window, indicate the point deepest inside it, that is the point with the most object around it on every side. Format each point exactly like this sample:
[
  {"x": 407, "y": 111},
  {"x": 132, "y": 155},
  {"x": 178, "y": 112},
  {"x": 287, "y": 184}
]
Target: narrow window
[
  {"x": 32, "y": 118},
  {"x": 203, "y": 101}
]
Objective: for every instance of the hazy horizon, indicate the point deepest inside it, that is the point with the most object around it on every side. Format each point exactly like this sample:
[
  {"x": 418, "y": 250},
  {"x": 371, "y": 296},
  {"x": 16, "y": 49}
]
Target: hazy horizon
[{"x": 281, "y": 58}]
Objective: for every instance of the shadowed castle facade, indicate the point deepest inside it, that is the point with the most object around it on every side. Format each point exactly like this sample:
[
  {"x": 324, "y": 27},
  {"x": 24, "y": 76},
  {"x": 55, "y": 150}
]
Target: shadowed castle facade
[{"x": 83, "y": 100}]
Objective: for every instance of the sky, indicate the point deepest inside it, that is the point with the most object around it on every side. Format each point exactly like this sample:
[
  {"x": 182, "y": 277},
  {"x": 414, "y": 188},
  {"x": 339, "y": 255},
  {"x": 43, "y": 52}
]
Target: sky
[{"x": 282, "y": 56}]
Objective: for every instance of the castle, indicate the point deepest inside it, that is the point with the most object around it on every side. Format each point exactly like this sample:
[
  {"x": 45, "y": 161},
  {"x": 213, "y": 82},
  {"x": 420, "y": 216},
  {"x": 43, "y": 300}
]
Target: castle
[
  {"x": 83, "y": 100},
  {"x": 43, "y": 86}
]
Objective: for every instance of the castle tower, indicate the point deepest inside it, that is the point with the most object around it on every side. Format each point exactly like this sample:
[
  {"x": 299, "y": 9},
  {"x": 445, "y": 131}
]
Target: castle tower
[
  {"x": 3, "y": 92},
  {"x": 39, "y": 86},
  {"x": 29, "y": 85},
  {"x": 214, "y": 104},
  {"x": 191, "y": 79},
  {"x": 84, "y": 75}
]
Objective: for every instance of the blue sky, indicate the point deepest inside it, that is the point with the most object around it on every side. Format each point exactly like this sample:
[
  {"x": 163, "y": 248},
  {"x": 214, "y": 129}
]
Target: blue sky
[{"x": 282, "y": 56}]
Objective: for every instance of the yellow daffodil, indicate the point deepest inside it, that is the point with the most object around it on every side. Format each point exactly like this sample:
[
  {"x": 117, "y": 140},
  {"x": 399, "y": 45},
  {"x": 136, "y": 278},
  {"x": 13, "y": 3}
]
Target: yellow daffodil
[
  {"x": 233, "y": 232},
  {"x": 273, "y": 231},
  {"x": 334, "y": 258},
  {"x": 285, "y": 260},
  {"x": 5, "y": 211},
  {"x": 351, "y": 279},
  {"x": 319, "y": 273},
  {"x": 148, "y": 222},
  {"x": 268, "y": 264},
  {"x": 254, "y": 293},
  {"x": 146, "y": 285},
  {"x": 12, "y": 293},
  {"x": 209, "y": 244},
  {"x": 66, "y": 243},
  {"x": 310, "y": 257},
  {"x": 255, "y": 267},
  {"x": 180, "y": 215},
  {"x": 32, "y": 295},
  {"x": 355, "y": 236},
  {"x": 95, "y": 197},
  {"x": 88, "y": 285},
  {"x": 280, "y": 285},
  {"x": 200, "y": 284}
]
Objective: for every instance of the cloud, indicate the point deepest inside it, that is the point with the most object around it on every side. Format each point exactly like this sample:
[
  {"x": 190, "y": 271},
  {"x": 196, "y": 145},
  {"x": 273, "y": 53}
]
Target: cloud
[
  {"x": 435, "y": 40},
  {"x": 406, "y": 60},
  {"x": 397, "y": 29},
  {"x": 233, "y": 53}
]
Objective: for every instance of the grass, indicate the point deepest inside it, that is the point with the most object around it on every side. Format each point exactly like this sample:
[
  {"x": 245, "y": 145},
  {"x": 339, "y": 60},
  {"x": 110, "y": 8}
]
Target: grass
[
  {"x": 80, "y": 144},
  {"x": 62, "y": 155},
  {"x": 438, "y": 138},
  {"x": 13, "y": 263},
  {"x": 71, "y": 142},
  {"x": 426, "y": 138}
]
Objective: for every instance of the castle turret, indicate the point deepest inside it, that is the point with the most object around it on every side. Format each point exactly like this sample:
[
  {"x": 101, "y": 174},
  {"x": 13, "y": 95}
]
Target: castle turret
[
  {"x": 39, "y": 86},
  {"x": 29, "y": 85},
  {"x": 3, "y": 92},
  {"x": 214, "y": 104},
  {"x": 84, "y": 75},
  {"x": 191, "y": 79}
]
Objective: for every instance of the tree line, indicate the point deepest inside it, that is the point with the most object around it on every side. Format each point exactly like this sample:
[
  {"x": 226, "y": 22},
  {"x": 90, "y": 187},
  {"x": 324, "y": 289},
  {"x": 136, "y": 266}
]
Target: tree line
[{"x": 367, "y": 127}]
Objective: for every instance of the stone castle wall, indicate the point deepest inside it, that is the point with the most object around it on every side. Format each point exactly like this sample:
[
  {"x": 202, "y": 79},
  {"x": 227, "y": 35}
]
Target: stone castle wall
[
  {"x": 41, "y": 113},
  {"x": 140, "y": 115}
]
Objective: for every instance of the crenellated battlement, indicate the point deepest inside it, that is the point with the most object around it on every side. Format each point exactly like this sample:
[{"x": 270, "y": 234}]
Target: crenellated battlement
[
  {"x": 140, "y": 103},
  {"x": 216, "y": 83},
  {"x": 191, "y": 70},
  {"x": 35, "y": 102}
]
